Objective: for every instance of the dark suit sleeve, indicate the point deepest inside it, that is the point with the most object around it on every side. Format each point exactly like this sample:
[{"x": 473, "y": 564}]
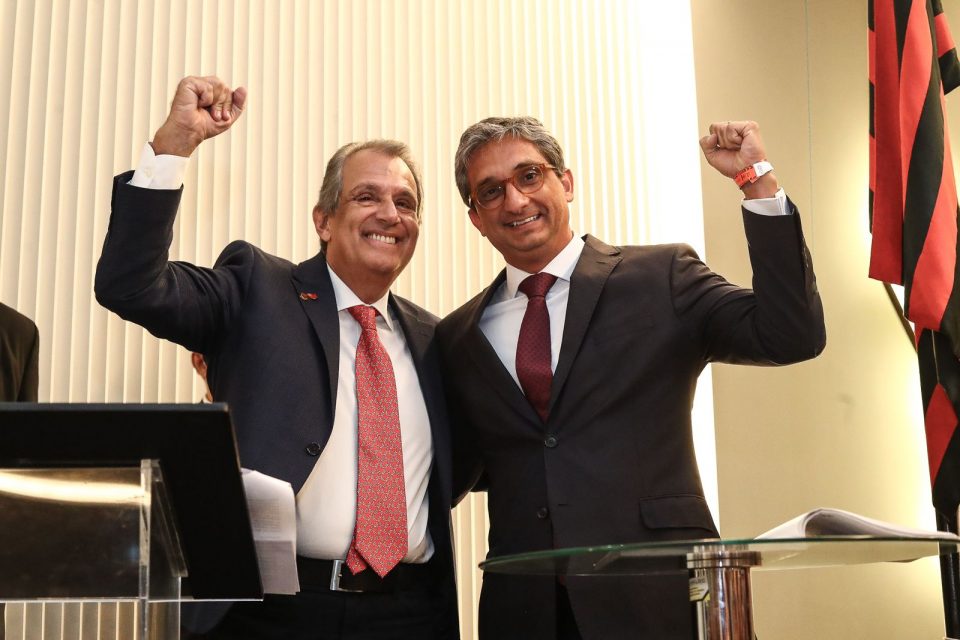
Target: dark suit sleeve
[
  {"x": 19, "y": 355},
  {"x": 468, "y": 472},
  {"x": 779, "y": 321},
  {"x": 29, "y": 389},
  {"x": 467, "y": 463},
  {"x": 178, "y": 301}
]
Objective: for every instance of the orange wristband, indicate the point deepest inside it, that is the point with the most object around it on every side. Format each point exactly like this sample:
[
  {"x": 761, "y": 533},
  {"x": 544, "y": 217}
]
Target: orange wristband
[{"x": 752, "y": 173}]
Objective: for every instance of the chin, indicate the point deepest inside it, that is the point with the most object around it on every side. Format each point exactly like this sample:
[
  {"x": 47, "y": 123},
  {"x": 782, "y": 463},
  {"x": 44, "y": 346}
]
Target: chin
[
  {"x": 393, "y": 266},
  {"x": 532, "y": 245}
]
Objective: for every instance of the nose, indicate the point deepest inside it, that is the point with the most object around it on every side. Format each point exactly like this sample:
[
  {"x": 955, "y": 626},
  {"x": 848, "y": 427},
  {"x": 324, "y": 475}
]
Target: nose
[
  {"x": 513, "y": 199},
  {"x": 388, "y": 213}
]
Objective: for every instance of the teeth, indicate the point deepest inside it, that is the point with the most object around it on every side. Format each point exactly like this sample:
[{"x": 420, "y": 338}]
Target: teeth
[
  {"x": 524, "y": 221},
  {"x": 380, "y": 238}
]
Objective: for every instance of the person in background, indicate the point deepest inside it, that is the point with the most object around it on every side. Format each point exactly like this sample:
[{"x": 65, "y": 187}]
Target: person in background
[
  {"x": 19, "y": 370},
  {"x": 19, "y": 355},
  {"x": 200, "y": 366}
]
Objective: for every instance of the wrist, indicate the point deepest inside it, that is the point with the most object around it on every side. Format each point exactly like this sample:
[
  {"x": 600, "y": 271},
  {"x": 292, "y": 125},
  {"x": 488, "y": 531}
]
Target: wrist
[
  {"x": 173, "y": 143},
  {"x": 756, "y": 180},
  {"x": 766, "y": 186}
]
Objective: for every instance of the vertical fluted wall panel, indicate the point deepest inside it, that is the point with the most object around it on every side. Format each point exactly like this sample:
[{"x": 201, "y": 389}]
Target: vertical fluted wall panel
[{"x": 84, "y": 84}]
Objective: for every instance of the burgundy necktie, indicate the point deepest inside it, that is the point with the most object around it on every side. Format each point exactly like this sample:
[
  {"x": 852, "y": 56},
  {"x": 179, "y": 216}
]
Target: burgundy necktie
[
  {"x": 380, "y": 537},
  {"x": 533, "y": 343}
]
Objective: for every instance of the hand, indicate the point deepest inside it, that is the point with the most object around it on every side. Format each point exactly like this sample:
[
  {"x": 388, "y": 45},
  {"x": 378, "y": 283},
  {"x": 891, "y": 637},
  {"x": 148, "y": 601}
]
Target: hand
[
  {"x": 202, "y": 108},
  {"x": 733, "y": 146}
]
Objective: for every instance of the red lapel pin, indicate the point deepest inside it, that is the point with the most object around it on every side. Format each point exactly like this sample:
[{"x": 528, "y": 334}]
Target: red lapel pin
[{"x": 308, "y": 296}]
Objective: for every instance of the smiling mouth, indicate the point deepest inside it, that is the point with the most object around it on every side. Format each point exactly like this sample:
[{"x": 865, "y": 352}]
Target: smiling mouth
[
  {"x": 520, "y": 223},
  {"x": 382, "y": 238}
]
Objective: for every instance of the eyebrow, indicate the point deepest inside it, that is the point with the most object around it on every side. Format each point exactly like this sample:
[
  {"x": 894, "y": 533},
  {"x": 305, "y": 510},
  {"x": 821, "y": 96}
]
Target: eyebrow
[
  {"x": 379, "y": 189},
  {"x": 516, "y": 167}
]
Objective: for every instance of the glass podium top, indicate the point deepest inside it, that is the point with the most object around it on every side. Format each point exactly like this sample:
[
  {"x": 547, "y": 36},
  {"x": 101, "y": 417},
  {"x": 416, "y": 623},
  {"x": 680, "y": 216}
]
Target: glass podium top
[{"x": 766, "y": 554}]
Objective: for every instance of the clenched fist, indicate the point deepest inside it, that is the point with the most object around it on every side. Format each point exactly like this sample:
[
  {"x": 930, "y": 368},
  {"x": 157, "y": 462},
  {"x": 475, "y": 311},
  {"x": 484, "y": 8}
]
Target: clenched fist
[
  {"x": 202, "y": 108},
  {"x": 733, "y": 146}
]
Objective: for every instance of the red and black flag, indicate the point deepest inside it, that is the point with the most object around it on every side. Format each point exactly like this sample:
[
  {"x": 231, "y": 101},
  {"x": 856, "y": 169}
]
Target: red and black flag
[{"x": 913, "y": 208}]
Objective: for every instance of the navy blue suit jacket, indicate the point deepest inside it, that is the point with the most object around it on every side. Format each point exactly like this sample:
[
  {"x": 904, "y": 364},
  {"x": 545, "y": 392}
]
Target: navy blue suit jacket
[{"x": 272, "y": 353}]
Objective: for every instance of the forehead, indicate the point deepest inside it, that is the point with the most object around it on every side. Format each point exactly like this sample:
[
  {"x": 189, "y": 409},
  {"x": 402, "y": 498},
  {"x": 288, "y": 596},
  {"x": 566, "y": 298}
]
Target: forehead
[
  {"x": 376, "y": 168},
  {"x": 498, "y": 159}
]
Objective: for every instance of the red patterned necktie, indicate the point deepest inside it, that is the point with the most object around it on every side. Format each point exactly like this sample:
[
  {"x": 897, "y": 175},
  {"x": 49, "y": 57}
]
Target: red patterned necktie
[
  {"x": 533, "y": 343},
  {"x": 380, "y": 537}
]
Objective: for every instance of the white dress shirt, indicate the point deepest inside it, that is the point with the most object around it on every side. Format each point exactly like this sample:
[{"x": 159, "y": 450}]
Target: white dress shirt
[
  {"x": 327, "y": 502},
  {"x": 501, "y": 320}
]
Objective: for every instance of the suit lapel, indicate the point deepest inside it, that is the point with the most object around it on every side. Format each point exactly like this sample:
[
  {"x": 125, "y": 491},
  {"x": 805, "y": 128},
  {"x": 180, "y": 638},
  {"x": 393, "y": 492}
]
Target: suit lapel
[
  {"x": 418, "y": 335},
  {"x": 416, "y": 331},
  {"x": 476, "y": 344},
  {"x": 596, "y": 263},
  {"x": 484, "y": 356},
  {"x": 312, "y": 283}
]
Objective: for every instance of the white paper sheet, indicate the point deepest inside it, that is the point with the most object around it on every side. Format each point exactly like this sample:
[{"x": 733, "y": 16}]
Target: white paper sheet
[{"x": 273, "y": 517}]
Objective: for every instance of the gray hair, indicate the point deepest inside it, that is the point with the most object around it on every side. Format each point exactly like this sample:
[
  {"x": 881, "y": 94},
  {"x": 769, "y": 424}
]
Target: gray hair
[
  {"x": 332, "y": 187},
  {"x": 496, "y": 129}
]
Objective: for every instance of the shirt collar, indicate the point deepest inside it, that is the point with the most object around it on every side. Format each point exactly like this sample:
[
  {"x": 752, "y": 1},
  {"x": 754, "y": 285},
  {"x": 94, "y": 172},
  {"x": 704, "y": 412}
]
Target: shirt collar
[
  {"x": 561, "y": 266},
  {"x": 346, "y": 298}
]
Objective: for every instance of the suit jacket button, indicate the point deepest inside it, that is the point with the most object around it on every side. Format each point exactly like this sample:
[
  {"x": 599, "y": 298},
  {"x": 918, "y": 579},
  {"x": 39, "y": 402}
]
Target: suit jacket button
[
  {"x": 550, "y": 442},
  {"x": 313, "y": 449},
  {"x": 543, "y": 512}
]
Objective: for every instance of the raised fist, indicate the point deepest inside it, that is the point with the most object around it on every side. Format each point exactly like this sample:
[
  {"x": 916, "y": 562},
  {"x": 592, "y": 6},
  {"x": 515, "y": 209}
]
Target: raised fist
[{"x": 201, "y": 108}]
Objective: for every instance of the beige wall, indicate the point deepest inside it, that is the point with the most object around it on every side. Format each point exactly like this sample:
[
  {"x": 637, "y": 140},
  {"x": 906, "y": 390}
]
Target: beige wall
[{"x": 846, "y": 429}]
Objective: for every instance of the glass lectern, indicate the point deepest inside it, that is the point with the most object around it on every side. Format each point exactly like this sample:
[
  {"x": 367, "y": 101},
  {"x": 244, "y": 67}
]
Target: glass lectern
[
  {"x": 128, "y": 509},
  {"x": 93, "y": 534},
  {"x": 719, "y": 570}
]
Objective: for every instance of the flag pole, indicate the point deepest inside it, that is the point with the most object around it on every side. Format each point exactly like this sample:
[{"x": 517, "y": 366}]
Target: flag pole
[
  {"x": 950, "y": 579},
  {"x": 939, "y": 370}
]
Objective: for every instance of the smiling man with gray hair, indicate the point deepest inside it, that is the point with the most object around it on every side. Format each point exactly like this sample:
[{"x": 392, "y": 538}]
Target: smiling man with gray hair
[{"x": 332, "y": 381}]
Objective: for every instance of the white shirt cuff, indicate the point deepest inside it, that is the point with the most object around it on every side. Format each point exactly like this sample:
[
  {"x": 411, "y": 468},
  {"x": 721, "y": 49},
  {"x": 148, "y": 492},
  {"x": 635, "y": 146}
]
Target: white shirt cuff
[
  {"x": 159, "y": 172},
  {"x": 775, "y": 206}
]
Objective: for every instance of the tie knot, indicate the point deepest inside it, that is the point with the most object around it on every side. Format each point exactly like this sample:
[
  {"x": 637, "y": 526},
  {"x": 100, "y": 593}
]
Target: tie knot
[
  {"x": 538, "y": 284},
  {"x": 365, "y": 315}
]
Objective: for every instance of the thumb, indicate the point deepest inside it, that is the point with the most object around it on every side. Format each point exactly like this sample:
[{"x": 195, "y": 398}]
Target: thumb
[
  {"x": 239, "y": 102},
  {"x": 709, "y": 142}
]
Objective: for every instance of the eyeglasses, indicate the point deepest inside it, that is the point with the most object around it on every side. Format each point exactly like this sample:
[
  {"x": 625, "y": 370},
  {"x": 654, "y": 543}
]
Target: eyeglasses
[{"x": 526, "y": 180}]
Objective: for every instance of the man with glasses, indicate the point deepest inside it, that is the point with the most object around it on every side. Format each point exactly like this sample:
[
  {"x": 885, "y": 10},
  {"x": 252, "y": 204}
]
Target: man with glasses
[
  {"x": 333, "y": 382},
  {"x": 571, "y": 377}
]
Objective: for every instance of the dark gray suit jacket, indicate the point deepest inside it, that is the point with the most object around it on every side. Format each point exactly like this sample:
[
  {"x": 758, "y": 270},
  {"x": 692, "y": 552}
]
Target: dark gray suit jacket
[
  {"x": 272, "y": 354},
  {"x": 615, "y": 462},
  {"x": 19, "y": 352}
]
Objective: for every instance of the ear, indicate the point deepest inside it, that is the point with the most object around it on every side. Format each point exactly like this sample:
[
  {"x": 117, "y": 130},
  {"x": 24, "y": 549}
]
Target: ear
[
  {"x": 476, "y": 220},
  {"x": 199, "y": 364},
  {"x": 321, "y": 222},
  {"x": 567, "y": 181}
]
